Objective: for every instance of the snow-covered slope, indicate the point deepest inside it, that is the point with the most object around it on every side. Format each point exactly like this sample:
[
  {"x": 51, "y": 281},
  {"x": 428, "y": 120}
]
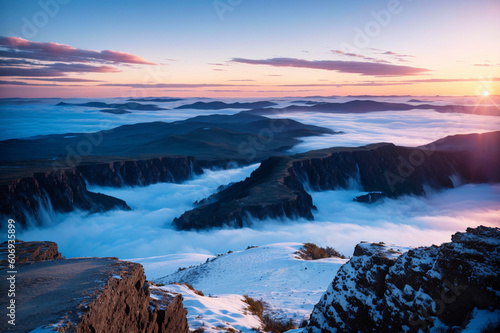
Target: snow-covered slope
[
  {"x": 290, "y": 286},
  {"x": 156, "y": 267},
  {"x": 213, "y": 314}
]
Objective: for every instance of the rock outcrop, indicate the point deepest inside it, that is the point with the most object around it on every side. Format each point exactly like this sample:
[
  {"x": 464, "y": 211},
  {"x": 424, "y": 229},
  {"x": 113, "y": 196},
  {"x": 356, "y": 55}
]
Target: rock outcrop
[
  {"x": 29, "y": 252},
  {"x": 271, "y": 191},
  {"x": 86, "y": 295},
  {"x": 65, "y": 190},
  {"x": 26, "y": 200},
  {"x": 276, "y": 188},
  {"x": 382, "y": 289}
]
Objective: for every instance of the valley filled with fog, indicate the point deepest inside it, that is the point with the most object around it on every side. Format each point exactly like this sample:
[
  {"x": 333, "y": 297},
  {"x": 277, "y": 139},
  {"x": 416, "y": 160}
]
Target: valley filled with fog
[{"x": 339, "y": 222}]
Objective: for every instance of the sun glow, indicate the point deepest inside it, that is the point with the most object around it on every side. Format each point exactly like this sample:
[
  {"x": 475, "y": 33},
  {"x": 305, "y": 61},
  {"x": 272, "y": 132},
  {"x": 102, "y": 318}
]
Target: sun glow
[{"x": 486, "y": 93}]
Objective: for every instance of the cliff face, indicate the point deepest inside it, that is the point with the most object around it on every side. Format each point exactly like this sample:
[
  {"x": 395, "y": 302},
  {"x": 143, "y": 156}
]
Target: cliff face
[
  {"x": 276, "y": 188},
  {"x": 142, "y": 172},
  {"x": 87, "y": 295},
  {"x": 124, "y": 305},
  {"x": 387, "y": 168},
  {"x": 272, "y": 191},
  {"x": 66, "y": 190},
  {"x": 25, "y": 199},
  {"x": 382, "y": 290}
]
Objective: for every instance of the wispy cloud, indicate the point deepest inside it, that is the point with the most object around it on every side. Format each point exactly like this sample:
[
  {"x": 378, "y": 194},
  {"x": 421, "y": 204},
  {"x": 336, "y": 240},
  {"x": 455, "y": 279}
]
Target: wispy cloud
[
  {"x": 356, "y": 67},
  {"x": 391, "y": 53},
  {"x": 171, "y": 85},
  {"x": 63, "y": 79},
  {"x": 22, "y": 83},
  {"x": 56, "y": 69},
  {"x": 387, "y": 83},
  {"x": 487, "y": 65},
  {"x": 354, "y": 55}
]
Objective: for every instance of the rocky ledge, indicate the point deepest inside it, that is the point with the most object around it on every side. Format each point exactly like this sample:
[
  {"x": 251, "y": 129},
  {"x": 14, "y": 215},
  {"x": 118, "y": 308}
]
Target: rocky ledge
[
  {"x": 29, "y": 252},
  {"x": 65, "y": 190},
  {"x": 392, "y": 289},
  {"x": 87, "y": 295}
]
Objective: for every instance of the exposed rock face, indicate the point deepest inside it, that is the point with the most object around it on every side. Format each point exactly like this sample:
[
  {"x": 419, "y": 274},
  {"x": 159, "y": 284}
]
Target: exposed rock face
[
  {"x": 125, "y": 306},
  {"x": 66, "y": 190},
  {"x": 386, "y": 168},
  {"x": 30, "y": 252},
  {"x": 275, "y": 189},
  {"x": 482, "y": 150},
  {"x": 142, "y": 172},
  {"x": 88, "y": 295},
  {"x": 25, "y": 199},
  {"x": 382, "y": 290}
]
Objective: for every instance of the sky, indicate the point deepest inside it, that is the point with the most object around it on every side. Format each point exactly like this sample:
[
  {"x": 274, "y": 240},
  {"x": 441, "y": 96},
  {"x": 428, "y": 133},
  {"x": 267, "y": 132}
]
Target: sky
[{"x": 242, "y": 48}]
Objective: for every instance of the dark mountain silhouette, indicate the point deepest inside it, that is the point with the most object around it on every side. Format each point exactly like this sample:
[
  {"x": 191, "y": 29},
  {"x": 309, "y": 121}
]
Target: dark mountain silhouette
[
  {"x": 222, "y": 105},
  {"x": 155, "y": 100},
  {"x": 364, "y": 106},
  {"x": 241, "y": 137}
]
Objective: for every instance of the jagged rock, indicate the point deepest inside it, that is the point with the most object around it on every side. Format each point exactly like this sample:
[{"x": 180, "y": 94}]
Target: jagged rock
[
  {"x": 276, "y": 188},
  {"x": 66, "y": 190},
  {"x": 370, "y": 197},
  {"x": 273, "y": 191},
  {"x": 382, "y": 290},
  {"x": 89, "y": 295}
]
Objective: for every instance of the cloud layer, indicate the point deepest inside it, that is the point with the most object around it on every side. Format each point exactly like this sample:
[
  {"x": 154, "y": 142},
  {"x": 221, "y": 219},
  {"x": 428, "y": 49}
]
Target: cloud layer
[
  {"x": 23, "y": 58},
  {"x": 15, "y": 47},
  {"x": 145, "y": 231},
  {"x": 357, "y": 67}
]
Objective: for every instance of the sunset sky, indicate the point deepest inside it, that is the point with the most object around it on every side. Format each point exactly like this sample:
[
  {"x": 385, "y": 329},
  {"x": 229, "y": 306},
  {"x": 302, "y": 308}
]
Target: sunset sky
[{"x": 248, "y": 48}]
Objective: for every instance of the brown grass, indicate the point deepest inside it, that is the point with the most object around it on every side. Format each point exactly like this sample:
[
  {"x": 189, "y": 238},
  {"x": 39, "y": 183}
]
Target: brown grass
[
  {"x": 311, "y": 251},
  {"x": 269, "y": 324}
]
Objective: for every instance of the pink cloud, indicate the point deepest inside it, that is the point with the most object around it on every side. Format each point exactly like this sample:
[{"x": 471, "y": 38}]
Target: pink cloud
[
  {"x": 357, "y": 67},
  {"x": 22, "y": 48}
]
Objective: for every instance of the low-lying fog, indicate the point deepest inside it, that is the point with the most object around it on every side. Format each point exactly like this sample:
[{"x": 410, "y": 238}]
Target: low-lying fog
[
  {"x": 405, "y": 128},
  {"x": 339, "y": 222}
]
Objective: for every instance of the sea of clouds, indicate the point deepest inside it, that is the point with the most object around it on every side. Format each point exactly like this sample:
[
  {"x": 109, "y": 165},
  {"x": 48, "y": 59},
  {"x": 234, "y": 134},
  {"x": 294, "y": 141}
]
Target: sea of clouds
[{"x": 339, "y": 222}]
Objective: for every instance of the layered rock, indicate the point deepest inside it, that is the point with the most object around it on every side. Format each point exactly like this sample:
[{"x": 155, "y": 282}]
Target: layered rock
[
  {"x": 141, "y": 172},
  {"x": 276, "y": 188},
  {"x": 26, "y": 199},
  {"x": 272, "y": 191},
  {"x": 382, "y": 290},
  {"x": 88, "y": 295}
]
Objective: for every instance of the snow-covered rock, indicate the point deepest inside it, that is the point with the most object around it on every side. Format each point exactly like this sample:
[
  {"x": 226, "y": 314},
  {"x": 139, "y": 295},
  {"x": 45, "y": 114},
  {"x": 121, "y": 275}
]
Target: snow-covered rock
[
  {"x": 392, "y": 289},
  {"x": 213, "y": 314}
]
